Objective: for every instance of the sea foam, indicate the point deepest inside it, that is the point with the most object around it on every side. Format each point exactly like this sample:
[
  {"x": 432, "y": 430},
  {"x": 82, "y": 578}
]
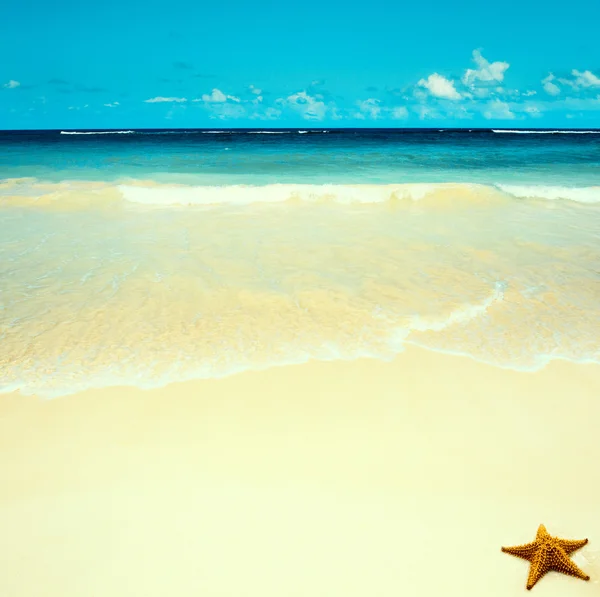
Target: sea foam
[
  {"x": 151, "y": 193},
  {"x": 554, "y": 132},
  {"x": 97, "y": 132},
  {"x": 579, "y": 194},
  {"x": 279, "y": 193}
]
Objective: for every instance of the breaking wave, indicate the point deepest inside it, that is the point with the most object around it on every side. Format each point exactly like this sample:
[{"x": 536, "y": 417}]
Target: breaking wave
[
  {"x": 555, "y": 132},
  {"x": 151, "y": 193},
  {"x": 578, "y": 194},
  {"x": 279, "y": 193},
  {"x": 97, "y": 132}
]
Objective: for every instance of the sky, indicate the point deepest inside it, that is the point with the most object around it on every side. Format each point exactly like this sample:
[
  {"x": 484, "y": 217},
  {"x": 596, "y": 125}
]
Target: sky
[{"x": 123, "y": 64}]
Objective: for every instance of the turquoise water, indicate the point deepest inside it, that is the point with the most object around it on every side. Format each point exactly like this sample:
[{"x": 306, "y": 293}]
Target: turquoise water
[
  {"x": 146, "y": 257},
  {"x": 313, "y": 157}
]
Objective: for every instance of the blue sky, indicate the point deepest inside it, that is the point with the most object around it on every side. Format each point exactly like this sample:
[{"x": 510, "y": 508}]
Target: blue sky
[{"x": 133, "y": 63}]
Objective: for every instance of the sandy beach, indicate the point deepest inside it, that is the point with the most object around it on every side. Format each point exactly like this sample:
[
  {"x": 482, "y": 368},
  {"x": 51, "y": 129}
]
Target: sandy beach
[{"x": 361, "y": 478}]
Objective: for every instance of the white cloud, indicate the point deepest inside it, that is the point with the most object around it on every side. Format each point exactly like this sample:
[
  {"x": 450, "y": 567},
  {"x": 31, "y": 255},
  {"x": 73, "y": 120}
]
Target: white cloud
[
  {"x": 223, "y": 106},
  {"x": 216, "y": 96},
  {"x": 549, "y": 87},
  {"x": 439, "y": 86},
  {"x": 399, "y": 113},
  {"x": 528, "y": 93},
  {"x": 254, "y": 90},
  {"x": 581, "y": 79},
  {"x": 370, "y": 107},
  {"x": 12, "y": 84},
  {"x": 113, "y": 105},
  {"x": 485, "y": 70},
  {"x": 160, "y": 99},
  {"x": 585, "y": 78},
  {"x": 308, "y": 106},
  {"x": 497, "y": 109}
]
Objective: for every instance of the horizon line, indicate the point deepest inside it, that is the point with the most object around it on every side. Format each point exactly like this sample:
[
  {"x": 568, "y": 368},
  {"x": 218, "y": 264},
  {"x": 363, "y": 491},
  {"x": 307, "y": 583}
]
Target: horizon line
[{"x": 294, "y": 128}]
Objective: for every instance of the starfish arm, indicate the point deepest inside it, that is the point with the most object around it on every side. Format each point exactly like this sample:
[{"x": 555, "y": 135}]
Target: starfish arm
[
  {"x": 562, "y": 563},
  {"x": 527, "y": 551},
  {"x": 542, "y": 533},
  {"x": 570, "y": 546},
  {"x": 540, "y": 564}
]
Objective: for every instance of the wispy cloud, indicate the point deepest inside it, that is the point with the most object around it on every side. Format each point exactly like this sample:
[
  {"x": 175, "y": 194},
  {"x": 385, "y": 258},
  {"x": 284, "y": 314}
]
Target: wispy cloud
[
  {"x": 159, "y": 99},
  {"x": 399, "y": 112},
  {"x": 533, "y": 111},
  {"x": 370, "y": 107},
  {"x": 12, "y": 84},
  {"x": 112, "y": 105},
  {"x": 268, "y": 114},
  {"x": 585, "y": 79},
  {"x": 578, "y": 81},
  {"x": 226, "y": 111}
]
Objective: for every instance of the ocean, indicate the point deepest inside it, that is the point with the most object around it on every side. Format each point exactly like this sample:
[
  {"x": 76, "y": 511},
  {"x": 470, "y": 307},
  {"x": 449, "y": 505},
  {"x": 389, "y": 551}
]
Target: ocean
[{"x": 145, "y": 257}]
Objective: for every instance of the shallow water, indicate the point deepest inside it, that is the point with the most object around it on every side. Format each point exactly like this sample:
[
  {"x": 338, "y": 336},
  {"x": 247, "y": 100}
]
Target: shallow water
[{"x": 152, "y": 269}]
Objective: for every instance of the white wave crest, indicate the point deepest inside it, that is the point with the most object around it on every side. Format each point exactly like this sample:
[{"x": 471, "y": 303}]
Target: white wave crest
[
  {"x": 578, "y": 194},
  {"x": 278, "y": 193},
  {"x": 556, "y": 132},
  {"x": 97, "y": 132}
]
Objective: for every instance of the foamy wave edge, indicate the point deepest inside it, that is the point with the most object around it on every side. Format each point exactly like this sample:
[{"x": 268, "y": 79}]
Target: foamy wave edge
[
  {"x": 399, "y": 338},
  {"x": 345, "y": 194},
  {"x": 278, "y": 193},
  {"x": 554, "y": 132},
  {"x": 578, "y": 194},
  {"x": 97, "y": 132},
  {"x": 153, "y": 194}
]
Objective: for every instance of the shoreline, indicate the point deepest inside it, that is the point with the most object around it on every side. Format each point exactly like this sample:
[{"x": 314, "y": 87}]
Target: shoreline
[{"x": 339, "y": 477}]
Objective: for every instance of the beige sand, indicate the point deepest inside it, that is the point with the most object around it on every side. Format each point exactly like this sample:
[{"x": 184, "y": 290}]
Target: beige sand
[{"x": 344, "y": 479}]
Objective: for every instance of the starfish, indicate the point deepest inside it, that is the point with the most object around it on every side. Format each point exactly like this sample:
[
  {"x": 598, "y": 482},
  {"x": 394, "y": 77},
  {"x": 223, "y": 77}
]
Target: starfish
[{"x": 548, "y": 553}]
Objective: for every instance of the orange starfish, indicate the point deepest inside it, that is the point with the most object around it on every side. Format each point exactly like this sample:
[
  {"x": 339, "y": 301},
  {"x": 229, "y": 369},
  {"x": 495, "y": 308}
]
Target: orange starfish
[{"x": 548, "y": 553}]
